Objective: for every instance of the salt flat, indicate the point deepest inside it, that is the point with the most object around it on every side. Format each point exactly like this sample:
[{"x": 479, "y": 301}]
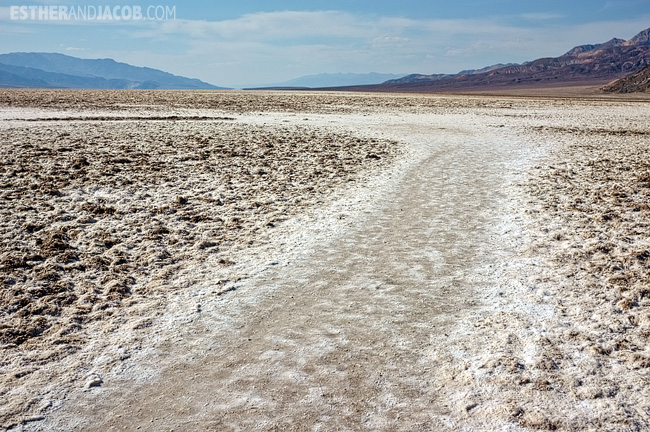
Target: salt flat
[{"x": 400, "y": 263}]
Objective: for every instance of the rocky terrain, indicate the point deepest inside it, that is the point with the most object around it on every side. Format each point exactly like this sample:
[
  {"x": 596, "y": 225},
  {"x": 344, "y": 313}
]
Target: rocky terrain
[{"x": 638, "y": 82}]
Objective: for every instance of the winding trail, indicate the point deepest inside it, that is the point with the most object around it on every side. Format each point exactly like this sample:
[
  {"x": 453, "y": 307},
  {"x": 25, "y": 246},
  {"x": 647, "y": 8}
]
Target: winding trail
[{"x": 362, "y": 332}]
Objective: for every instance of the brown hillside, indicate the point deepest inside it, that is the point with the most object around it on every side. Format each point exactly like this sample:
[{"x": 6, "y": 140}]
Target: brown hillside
[{"x": 638, "y": 82}]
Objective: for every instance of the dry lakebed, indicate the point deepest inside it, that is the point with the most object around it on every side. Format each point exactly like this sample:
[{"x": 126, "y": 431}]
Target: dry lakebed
[{"x": 184, "y": 260}]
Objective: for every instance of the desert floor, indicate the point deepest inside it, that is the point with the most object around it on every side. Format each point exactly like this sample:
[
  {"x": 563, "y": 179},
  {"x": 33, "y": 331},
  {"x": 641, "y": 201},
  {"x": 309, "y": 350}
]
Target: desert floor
[{"x": 323, "y": 261}]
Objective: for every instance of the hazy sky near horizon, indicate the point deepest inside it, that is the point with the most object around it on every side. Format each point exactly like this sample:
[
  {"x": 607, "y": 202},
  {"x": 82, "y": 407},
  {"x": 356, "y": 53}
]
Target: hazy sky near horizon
[{"x": 234, "y": 43}]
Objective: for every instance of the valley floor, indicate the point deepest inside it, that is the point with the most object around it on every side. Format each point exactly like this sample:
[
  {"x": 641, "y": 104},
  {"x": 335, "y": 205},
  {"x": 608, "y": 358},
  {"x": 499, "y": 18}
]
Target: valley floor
[{"x": 274, "y": 261}]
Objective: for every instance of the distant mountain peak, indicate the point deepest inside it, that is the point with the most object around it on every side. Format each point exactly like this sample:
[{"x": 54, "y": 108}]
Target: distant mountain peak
[
  {"x": 643, "y": 38},
  {"x": 587, "y": 48},
  {"x": 612, "y": 43},
  {"x": 579, "y": 50}
]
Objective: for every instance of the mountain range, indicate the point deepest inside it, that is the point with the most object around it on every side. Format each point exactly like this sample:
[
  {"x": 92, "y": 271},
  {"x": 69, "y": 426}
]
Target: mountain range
[
  {"x": 51, "y": 70},
  {"x": 414, "y": 78},
  {"x": 593, "y": 65},
  {"x": 596, "y": 64}
]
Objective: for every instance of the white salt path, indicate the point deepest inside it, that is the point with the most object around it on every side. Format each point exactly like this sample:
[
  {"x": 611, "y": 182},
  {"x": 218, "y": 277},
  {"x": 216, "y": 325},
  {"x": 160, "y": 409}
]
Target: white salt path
[{"x": 361, "y": 331}]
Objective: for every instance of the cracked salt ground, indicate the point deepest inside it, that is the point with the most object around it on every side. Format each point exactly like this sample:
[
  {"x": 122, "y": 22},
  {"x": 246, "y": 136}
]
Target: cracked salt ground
[
  {"x": 350, "y": 334},
  {"x": 429, "y": 295}
]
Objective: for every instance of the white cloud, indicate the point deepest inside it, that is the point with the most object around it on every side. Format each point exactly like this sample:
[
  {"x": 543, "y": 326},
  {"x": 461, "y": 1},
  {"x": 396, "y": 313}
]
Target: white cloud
[
  {"x": 71, "y": 48},
  {"x": 541, "y": 16},
  {"x": 271, "y": 26}
]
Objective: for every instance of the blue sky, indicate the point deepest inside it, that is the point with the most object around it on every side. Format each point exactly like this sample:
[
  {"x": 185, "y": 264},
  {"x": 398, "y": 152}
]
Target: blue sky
[{"x": 234, "y": 43}]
